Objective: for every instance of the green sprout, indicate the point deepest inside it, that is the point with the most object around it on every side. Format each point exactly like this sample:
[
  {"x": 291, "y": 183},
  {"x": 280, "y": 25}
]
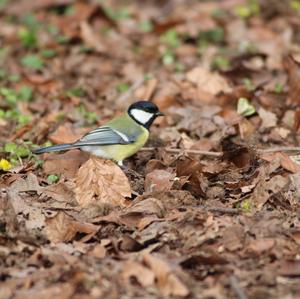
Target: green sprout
[
  {"x": 145, "y": 26},
  {"x": 32, "y": 61},
  {"x": 244, "y": 108},
  {"x": 52, "y": 178}
]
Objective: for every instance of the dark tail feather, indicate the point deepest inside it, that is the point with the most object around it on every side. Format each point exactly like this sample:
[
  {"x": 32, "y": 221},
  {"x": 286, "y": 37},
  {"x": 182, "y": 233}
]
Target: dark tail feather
[{"x": 54, "y": 148}]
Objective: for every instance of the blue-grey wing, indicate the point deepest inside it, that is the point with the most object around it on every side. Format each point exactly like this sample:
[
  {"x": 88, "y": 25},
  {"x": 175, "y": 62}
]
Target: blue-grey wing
[{"x": 104, "y": 136}]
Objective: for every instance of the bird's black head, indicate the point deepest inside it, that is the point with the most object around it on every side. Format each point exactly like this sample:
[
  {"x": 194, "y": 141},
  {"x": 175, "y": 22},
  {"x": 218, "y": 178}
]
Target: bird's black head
[{"x": 144, "y": 113}]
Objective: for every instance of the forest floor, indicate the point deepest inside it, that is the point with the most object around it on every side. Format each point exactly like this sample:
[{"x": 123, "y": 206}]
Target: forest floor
[{"x": 214, "y": 210}]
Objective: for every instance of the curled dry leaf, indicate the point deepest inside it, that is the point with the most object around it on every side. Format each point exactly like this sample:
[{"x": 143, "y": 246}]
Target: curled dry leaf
[
  {"x": 63, "y": 228},
  {"x": 100, "y": 180}
]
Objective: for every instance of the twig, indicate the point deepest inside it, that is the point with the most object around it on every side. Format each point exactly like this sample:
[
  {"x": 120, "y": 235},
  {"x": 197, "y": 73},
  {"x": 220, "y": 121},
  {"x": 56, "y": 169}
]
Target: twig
[
  {"x": 219, "y": 154},
  {"x": 229, "y": 211},
  {"x": 179, "y": 150},
  {"x": 279, "y": 149},
  {"x": 234, "y": 283}
]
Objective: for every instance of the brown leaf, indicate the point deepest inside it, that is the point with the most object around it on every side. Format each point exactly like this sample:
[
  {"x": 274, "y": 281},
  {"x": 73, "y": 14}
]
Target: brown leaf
[
  {"x": 265, "y": 189},
  {"x": 91, "y": 38},
  {"x": 240, "y": 155},
  {"x": 62, "y": 191},
  {"x": 67, "y": 134},
  {"x": 293, "y": 68},
  {"x": 269, "y": 119},
  {"x": 192, "y": 169},
  {"x": 208, "y": 83},
  {"x": 142, "y": 213},
  {"x": 142, "y": 274},
  {"x": 159, "y": 180},
  {"x": 66, "y": 164},
  {"x": 290, "y": 268},
  {"x": 100, "y": 180},
  {"x": 26, "y": 211},
  {"x": 285, "y": 161},
  {"x": 168, "y": 283},
  {"x": 234, "y": 237},
  {"x": 63, "y": 228},
  {"x": 261, "y": 245}
]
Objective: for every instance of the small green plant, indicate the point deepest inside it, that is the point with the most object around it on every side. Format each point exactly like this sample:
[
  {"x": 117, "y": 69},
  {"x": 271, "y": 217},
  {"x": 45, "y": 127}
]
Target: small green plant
[
  {"x": 122, "y": 87},
  {"x": 145, "y": 26},
  {"x": 244, "y": 108},
  {"x": 246, "y": 205},
  {"x": 15, "y": 153},
  {"x": 48, "y": 53},
  {"x": 250, "y": 9},
  {"x": 249, "y": 84},
  {"x": 32, "y": 61},
  {"x": 28, "y": 37},
  {"x": 90, "y": 117},
  {"x": 117, "y": 14},
  {"x": 171, "y": 38},
  {"x": 11, "y": 97},
  {"x": 220, "y": 63},
  {"x": 278, "y": 88},
  {"x": 168, "y": 58},
  {"x": 295, "y": 5},
  {"x": 52, "y": 178},
  {"x": 75, "y": 92}
]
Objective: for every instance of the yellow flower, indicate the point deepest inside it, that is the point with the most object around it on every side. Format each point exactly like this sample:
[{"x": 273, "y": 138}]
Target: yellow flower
[{"x": 5, "y": 165}]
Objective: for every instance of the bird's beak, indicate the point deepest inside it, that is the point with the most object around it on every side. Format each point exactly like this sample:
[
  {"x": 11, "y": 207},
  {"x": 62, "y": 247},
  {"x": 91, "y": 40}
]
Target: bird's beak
[{"x": 159, "y": 113}]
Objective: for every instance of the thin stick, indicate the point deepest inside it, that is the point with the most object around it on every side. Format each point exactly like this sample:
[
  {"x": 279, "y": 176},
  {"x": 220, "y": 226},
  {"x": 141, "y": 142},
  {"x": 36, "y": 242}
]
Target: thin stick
[
  {"x": 179, "y": 150},
  {"x": 219, "y": 154},
  {"x": 234, "y": 283},
  {"x": 229, "y": 211},
  {"x": 279, "y": 149}
]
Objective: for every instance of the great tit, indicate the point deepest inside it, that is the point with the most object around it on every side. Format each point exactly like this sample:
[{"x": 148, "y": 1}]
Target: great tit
[{"x": 120, "y": 138}]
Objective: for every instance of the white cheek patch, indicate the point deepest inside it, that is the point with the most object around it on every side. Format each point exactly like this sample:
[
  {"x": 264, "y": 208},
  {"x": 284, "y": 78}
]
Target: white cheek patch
[{"x": 141, "y": 116}]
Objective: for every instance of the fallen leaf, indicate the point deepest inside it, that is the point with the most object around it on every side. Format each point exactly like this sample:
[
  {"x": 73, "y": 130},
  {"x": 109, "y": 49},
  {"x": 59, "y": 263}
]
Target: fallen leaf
[
  {"x": 269, "y": 119},
  {"x": 91, "y": 38},
  {"x": 208, "y": 83},
  {"x": 102, "y": 181},
  {"x": 63, "y": 228},
  {"x": 141, "y": 273},
  {"x": 142, "y": 213},
  {"x": 290, "y": 268},
  {"x": 234, "y": 237},
  {"x": 159, "y": 180},
  {"x": 27, "y": 212},
  {"x": 293, "y": 68},
  {"x": 265, "y": 189},
  {"x": 66, "y": 164},
  {"x": 168, "y": 283},
  {"x": 261, "y": 245},
  {"x": 67, "y": 134},
  {"x": 62, "y": 191},
  {"x": 285, "y": 161}
]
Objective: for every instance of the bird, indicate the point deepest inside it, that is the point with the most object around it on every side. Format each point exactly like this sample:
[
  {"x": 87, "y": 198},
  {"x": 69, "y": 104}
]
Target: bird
[{"x": 118, "y": 139}]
